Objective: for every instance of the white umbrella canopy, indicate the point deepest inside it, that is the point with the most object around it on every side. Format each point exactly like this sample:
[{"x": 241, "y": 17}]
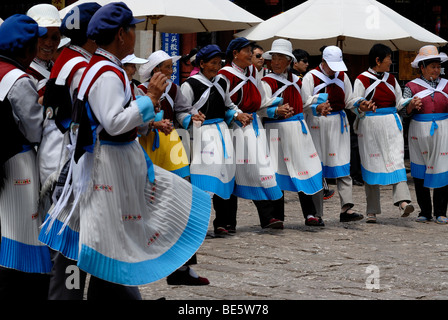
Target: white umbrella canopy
[
  {"x": 187, "y": 16},
  {"x": 354, "y": 25}
]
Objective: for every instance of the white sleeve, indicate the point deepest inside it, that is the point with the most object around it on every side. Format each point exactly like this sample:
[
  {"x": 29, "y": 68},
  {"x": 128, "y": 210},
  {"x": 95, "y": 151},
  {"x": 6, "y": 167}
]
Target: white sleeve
[
  {"x": 27, "y": 112},
  {"x": 348, "y": 90},
  {"x": 107, "y": 100},
  {"x": 308, "y": 98}
]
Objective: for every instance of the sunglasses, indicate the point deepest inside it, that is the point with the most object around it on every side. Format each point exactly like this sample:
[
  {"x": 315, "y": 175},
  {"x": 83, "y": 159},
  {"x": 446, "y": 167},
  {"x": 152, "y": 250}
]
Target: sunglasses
[
  {"x": 304, "y": 60},
  {"x": 258, "y": 55}
]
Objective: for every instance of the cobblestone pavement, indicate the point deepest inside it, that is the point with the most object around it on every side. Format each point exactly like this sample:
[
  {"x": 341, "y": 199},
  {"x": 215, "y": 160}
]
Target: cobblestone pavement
[{"x": 396, "y": 258}]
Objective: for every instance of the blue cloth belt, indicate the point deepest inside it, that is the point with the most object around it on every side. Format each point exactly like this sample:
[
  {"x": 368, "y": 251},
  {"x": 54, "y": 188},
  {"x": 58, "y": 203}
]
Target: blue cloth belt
[
  {"x": 297, "y": 117},
  {"x": 217, "y": 121},
  {"x": 343, "y": 117},
  {"x": 431, "y": 117},
  {"x": 385, "y": 111}
]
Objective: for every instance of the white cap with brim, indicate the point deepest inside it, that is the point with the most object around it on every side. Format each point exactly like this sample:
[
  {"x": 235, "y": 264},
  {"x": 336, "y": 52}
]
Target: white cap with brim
[
  {"x": 154, "y": 60},
  {"x": 133, "y": 59},
  {"x": 429, "y": 52},
  {"x": 46, "y": 15},
  {"x": 334, "y": 58},
  {"x": 281, "y": 46}
]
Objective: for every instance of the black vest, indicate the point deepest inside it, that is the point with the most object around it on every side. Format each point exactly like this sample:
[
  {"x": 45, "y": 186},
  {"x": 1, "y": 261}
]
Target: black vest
[{"x": 215, "y": 106}]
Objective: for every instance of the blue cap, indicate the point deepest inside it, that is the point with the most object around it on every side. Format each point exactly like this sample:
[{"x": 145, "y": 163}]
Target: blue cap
[
  {"x": 112, "y": 16},
  {"x": 237, "y": 44},
  {"x": 208, "y": 52},
  {"x": 77, "y": 30},
  {"x": 17, "y": 31}
]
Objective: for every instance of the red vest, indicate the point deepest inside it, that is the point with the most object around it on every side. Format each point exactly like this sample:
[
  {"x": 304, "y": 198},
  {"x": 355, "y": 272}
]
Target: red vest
[
  {"x": 436, "y": 104},
  {"x": 66, "y": 55},
  {"x": 382, "y": 95},
  {"x": 336, "y": 96},
  {"x": 36, "y": 75},
  {"x": 290, "y": 95},
  {"x": 248, "y": 98}
]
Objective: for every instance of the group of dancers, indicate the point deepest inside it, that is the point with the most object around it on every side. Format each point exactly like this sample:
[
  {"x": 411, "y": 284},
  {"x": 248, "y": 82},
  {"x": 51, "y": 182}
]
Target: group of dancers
[{"x": 119, "y": 178}]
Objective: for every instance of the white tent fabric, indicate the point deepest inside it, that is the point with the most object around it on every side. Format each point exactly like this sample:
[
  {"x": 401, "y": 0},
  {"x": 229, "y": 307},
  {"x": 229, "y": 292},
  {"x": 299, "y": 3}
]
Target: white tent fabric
[
  {"x": 181, "y": 16},
  {"x": 357, "y": 24}
]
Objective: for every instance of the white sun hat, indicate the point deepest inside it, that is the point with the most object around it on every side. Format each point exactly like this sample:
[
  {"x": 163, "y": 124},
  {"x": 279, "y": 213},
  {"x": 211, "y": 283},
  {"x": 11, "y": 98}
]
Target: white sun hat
[
  {"x": 154, "y": 60},
  {"x": 133, "y": 59},
  {"x": 46, "y": 15},
  {"x": 333, "y": 57},
  {"x": 280, "y": 46},
  {"x": 427, "y": 53}
]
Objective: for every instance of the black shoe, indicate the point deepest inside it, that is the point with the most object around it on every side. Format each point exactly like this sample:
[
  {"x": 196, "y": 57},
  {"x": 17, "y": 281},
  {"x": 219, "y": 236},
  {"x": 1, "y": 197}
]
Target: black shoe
[
  {"x": 357, "y": 182},
  {"x": 321, "y": 222},
  {"x": 328, "y": 193},
  {"x": 231, "y": 229},
  {"x": 185, "y": 278},
  {"x": 312, "y": 221},
  {"x": 347, "y": 217},
  {"x": 274, "y": 224}
]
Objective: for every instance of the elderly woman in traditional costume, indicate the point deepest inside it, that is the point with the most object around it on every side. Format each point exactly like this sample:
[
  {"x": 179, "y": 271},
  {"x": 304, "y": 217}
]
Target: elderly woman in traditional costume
[
  {"x": 24, "y": 261},
  {"x": 326, "y": 91},
  {"x": 298, "y": 167},
  {"x": 138, "y": 222},
  {"x": 58, "y": 146},
  {"x": 254, "y": 177},
  {"x": 163, "y": 144},
  {"x": 213, "y": 159},
  {"x": 377, "y": 98},
  {"x": 428, "y": 134},
  {"x": 46, "y": 16}
]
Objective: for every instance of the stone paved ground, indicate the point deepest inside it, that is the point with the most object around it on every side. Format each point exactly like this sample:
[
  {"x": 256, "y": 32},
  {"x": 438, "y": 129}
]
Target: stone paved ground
[{"x": 402, "y": 259}]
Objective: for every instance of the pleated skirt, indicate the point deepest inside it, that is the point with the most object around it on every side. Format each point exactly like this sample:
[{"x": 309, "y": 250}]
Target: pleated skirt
[
  {"x": 132, "y": 231},
  {"x": 212, "y": 167},
  {"x": 254, "y": 177},
  {"x": 20, "y": 220},
  {"x": 294, "y": 158},
  {"x": 381, "y": 149},
  {"x": 331, "y": 137},
  {"x": 429, "y": 153}
]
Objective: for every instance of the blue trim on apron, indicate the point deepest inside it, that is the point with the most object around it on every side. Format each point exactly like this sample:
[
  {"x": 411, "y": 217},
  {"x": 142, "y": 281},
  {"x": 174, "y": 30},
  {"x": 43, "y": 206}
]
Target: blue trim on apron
[
  {"x": 383, "y": 178},
  {"x": 24, "y": 257},
  {"x": 66, "y": 243},
  {"x": 308, "y": 186},
  {"x": 431, "y": 180}
]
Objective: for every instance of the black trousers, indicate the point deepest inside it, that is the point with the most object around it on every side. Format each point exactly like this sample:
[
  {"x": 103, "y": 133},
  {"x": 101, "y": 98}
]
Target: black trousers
[
  {"x": 61, "y": 286},
  {"x": 226, "y": 209},
  {"x": 104, "y": 290},
  {"x": 67, "y": 281},
  {"x": 439, "y": 200}
]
